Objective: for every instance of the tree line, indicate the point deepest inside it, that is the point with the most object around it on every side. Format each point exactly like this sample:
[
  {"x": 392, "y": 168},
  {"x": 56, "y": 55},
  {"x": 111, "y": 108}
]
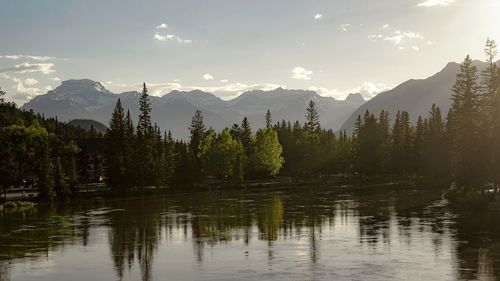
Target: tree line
[{"x": 462, "y": 146}]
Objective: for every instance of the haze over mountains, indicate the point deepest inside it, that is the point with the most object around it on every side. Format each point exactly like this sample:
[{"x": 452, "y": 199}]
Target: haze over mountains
[{"x": 87, "y": 99}]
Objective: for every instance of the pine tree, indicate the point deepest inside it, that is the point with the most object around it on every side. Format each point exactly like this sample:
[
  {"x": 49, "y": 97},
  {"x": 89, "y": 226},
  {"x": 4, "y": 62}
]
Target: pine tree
[
  {"x": 269, "y": 119},
  {"x": 115, "y": 156},
  {"x": 385, "y": 138},
  {"x": 169, "y": 157},
  {"x": 312, "y": 118},
  {"x": 145, "y": 152},
  {"x": 490, "y": 111},
  {"x": 144, "y": 125},
  {"x": 465, "y": 112},
  {"x": 128, "y": 152},
  {"x": 2, "y": 94},
  {"x": 198, "y": 134}
]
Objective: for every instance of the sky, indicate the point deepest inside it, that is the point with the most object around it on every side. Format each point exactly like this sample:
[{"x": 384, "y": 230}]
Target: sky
[{"x": 226, "y": 47}]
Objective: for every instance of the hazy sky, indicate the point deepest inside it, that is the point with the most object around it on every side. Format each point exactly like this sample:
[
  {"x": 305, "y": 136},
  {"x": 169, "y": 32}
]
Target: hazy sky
[{"x": 229, "y": 46}]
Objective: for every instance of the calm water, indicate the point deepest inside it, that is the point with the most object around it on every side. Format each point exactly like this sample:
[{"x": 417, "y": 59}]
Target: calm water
[{"x": 306, "y": 233}]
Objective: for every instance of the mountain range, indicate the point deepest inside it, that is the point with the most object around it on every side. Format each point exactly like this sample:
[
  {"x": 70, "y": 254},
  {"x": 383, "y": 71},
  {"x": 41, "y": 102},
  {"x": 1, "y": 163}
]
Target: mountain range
[
  {"x": 415, "y": 96},
  {"x": 87, "y": 99}
]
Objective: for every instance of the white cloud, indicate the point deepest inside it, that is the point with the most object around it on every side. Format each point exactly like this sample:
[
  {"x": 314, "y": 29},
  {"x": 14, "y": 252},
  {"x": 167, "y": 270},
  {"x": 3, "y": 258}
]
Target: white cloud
[
  {"x": 301, "y": 73},
  {"x": 224, "y": 81},
  {"x": 30, "y": 81},
  {"x": 57, "y": 79},
  {"x": 431, "y": 3},
  {"x": 401, "y": 39},
  {"x": 398, "y": 36},
  {"x": 21, "y": 88},
  {"x": 44, "y": 68},
  {"x": 29, "y": 57},
  {"x": 385, "y": 26},
  {"x": 171, "y": 37},
  {"x": 318, "y": 16},
  {"x": 162, "y": 26},
  {"x": 345, "y": 26},
  {"x": 208, "y": 77},
  {"x": 369, "y": 89}
]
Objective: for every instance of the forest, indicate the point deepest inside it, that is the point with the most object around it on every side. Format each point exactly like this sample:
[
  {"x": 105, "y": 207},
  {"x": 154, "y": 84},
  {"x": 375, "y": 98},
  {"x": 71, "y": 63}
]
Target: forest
[{"x": 461, "y": 147}]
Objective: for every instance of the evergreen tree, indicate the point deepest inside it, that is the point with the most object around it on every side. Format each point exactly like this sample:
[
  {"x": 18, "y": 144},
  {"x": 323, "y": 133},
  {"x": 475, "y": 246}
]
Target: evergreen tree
[
  {"x": 401, "y": 144},
  {"x": 312, "y": 118},
  {"x": 128, "y": 152},
  {"x": 368, "y": 145},
  {"x": 198, "y": 135},
  {"x": 490, "y": 112},
  {"x": 2, "y": 94},
  {"x": 269, "y": 119},
  {"x": 168, "y": 157},
  {"x": 385, "y": 138},
  {"x": 468, "y": 165},
  {"x": 145, "y": 152},
  {"x": 246, "y": 136},
  {"x": 435, "y": 152},
  {"x": 115, "y": 158}
]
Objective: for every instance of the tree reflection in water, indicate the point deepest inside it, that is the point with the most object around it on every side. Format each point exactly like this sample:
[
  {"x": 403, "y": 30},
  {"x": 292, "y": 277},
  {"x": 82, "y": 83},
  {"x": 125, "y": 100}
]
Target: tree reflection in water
[{"x": 136, "y": 227}]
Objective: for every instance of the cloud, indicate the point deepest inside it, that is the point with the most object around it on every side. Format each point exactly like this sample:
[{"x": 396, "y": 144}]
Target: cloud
[
  {"x": 432, "y": 3},
  {"x": 301, "y": 73},
  {"x": 397, "y": 37},
  {"x": 29, "y": 57},
  {"x": 208, "y": 77},
  {"x": 401, "y": 39},
  {"x": 171, "y": 37},
  {"x": 345, "y": 26},
  {"x": 168, "y": 37},
  {"x": 44, "y": 68},
  {"x": 57, "y": 79},
  {"x": 224, "y": 81},
  {"x": 162, "y": 26},
  {"x": 385, "y": 26},
  {"x": 318, "y": 16},
  {"x": 30, "y": 81},
  {"x": 367, "y": 89}
]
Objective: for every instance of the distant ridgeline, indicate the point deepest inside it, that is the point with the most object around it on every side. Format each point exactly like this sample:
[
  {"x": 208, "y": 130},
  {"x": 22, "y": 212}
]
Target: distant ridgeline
[
  {"x": 463, "y": 148},
  {"x": 89, "y": 124}
]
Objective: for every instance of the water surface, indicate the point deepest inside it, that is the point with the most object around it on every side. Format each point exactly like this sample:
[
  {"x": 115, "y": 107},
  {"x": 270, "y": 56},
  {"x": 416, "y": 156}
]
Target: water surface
[{"x": 397, "y": 232}]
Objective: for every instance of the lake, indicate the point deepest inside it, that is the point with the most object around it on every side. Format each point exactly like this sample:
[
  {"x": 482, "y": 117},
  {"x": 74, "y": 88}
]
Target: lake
[{"x": 330, "y": 232}]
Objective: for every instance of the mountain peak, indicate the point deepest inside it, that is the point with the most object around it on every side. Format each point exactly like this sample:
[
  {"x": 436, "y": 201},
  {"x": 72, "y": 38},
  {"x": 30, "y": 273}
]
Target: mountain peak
[
  {"x": 355, "y": 98},
  {"x": 76, "y": 86}
]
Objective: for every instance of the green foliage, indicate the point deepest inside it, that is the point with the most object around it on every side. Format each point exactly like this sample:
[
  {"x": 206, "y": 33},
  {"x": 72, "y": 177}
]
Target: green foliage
[
  {"x": 222, "y": 156},
  {"x": 61, "y": 187},
  {"x": 267, "y": 156}
]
